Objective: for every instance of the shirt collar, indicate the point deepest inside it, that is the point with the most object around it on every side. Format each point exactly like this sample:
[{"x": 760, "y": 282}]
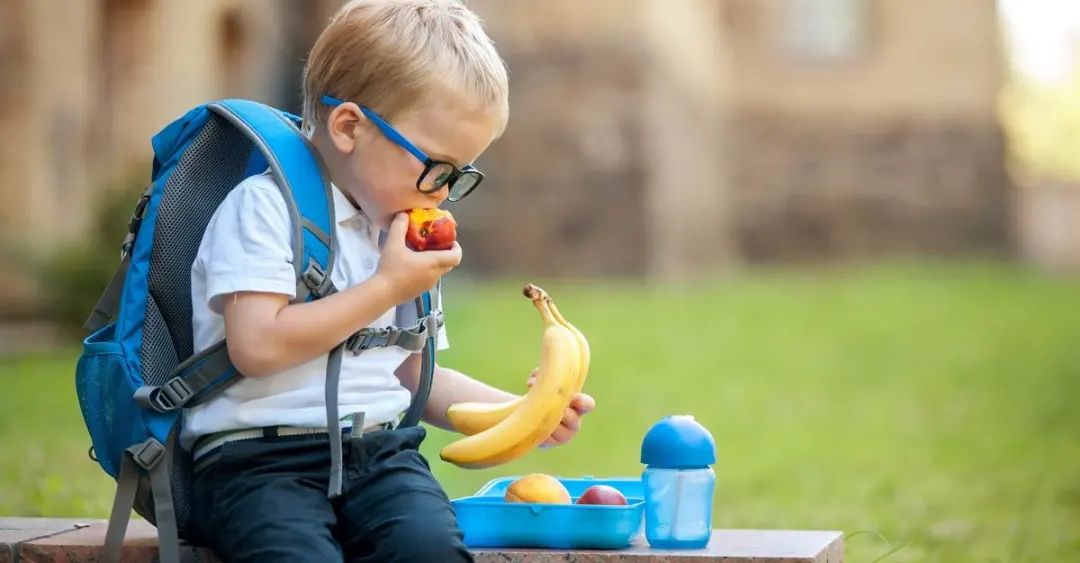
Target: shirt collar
[{"x": 348, "y": 215}]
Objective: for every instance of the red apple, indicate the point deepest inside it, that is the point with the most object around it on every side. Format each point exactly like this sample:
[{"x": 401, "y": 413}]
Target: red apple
[
  {"x": 602, "y": 494},
  {"x": 431, "y": 229}
]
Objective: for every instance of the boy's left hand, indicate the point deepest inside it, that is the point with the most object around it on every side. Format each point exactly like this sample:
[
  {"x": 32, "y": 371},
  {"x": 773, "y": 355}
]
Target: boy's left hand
[{"x": 580, "y": 405}]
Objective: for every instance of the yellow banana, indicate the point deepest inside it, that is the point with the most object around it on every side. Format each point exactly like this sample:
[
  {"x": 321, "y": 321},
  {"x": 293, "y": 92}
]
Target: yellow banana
[
  {"x": 540, "y": 410},
  {"x": 583, "y": 345},
  {"x": 473, "y": 417}
]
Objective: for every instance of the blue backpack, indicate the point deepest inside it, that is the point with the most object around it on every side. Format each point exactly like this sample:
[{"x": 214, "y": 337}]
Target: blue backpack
[{"x": 137, "y": 372}]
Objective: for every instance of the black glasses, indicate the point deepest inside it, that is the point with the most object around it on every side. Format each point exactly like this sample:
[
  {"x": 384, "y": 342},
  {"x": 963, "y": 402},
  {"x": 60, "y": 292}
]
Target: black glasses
[{"x": 461, "y": 181}]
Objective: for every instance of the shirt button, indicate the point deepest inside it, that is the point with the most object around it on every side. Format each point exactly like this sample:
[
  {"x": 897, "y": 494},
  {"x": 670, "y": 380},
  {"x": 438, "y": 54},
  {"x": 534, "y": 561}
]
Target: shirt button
[{"x": 369, "y": 264}]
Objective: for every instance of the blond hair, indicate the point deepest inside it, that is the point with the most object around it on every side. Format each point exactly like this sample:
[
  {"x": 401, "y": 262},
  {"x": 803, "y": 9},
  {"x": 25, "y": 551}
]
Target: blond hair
[{"x": 389, "y": 55}]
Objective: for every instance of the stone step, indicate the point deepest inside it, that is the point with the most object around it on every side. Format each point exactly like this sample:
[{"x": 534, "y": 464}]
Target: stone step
[{"x": 50, "y": 540}]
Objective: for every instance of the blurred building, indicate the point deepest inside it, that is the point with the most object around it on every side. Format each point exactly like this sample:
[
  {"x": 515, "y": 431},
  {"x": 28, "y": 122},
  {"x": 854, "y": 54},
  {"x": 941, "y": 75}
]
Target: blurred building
[
  {"x": 647, "y": 138},
  {"x": 671, "y": 138},
  {"x": 84, "y": 84}
]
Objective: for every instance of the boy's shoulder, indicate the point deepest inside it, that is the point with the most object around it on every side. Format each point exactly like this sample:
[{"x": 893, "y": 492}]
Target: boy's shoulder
[
  {"x": 256, "y": 194},
  {"x": 261, "y": 183},
  {"x": 254, "y": 211}
]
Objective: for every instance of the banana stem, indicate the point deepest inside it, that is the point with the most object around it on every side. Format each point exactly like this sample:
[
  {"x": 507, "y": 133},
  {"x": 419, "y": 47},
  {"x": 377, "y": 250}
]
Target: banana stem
[{"x": 541, "y": 301}]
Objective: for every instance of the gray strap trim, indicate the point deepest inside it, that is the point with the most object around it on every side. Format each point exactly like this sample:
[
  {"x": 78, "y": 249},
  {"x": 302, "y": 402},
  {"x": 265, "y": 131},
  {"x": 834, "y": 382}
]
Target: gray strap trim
[
  {"x": 427, "y": 372},
  {"x": 126, "y": 485},
  {"x": 412, "y": 338},
  {"x": 333, "y": 425},
  {"x": 109, "y": 302},
  {"x": 315, "y": 230},
  {"x": 164, "y": 513}
]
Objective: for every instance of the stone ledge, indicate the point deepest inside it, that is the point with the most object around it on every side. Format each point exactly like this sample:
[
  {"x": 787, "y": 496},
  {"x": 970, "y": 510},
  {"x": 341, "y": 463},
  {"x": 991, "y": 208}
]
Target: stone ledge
[{"x": 47, "y": 540}]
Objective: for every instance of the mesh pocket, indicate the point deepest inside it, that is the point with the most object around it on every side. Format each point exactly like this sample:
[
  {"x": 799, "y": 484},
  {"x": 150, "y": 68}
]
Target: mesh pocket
[{"x": 106, "y": 398}]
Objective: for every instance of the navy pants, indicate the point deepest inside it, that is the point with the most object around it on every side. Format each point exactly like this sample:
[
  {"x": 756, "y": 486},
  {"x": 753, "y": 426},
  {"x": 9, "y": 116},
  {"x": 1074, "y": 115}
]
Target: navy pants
[{"x": 265, "y": 500}]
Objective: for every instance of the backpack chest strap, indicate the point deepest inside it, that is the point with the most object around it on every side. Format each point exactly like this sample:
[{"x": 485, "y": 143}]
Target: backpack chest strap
[{"x": 410, "y": 338}]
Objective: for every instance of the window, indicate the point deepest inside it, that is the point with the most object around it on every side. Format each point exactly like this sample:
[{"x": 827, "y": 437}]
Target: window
[{"x": 823, "y": 30}]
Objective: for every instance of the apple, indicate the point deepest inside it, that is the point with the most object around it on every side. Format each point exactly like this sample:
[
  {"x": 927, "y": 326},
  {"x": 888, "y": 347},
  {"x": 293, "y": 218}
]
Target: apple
[
  {"x": 602, "y": 494},
  {"x": 430, "y": 229},
  {"x": 537, "y": 487}
]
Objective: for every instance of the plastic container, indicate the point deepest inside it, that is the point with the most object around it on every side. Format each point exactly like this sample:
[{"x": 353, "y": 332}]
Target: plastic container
[
  {"x": 678, "y": 483},
  {"x": 488, "y": 521}
]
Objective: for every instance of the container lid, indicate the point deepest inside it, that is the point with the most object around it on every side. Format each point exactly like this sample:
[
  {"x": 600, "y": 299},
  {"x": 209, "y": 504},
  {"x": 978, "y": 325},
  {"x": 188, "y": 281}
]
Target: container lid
[{"x": 678, "y": 441}]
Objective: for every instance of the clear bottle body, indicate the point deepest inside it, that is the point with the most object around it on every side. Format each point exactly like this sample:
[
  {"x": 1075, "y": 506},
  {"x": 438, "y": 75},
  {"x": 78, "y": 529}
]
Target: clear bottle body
[{"x": 678, "y": 507}]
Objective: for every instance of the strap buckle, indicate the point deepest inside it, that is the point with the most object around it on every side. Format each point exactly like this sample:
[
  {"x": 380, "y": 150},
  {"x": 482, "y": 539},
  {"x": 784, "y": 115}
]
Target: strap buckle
[
  {"x": 147, "y": 454},
  {"x": 411, "y": 338},
  {"x": 171, "y": 395},
  {"x": 316, "y": 280},
  {"x": 135, "y": 222},
  {"x": 371, "y": 337}
]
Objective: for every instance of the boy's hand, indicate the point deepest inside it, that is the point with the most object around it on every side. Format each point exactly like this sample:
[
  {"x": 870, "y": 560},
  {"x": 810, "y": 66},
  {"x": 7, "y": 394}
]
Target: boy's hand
[
  {"x": 580, "y": 405},
  {"x": 408, "y": 272}
]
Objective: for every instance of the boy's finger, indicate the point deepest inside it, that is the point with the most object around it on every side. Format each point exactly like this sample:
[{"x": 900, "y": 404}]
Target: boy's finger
[
  {"x": 447, "y": 258},
  {"x": 571, "y": 420},
  {"x": 398, "y": 226},
  {"x": 562, "y": 435},
  {"x": 582, "y": 403}
]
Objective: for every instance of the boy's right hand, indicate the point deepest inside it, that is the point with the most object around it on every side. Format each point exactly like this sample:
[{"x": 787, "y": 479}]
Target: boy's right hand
[{"x": 408, "y": 272}]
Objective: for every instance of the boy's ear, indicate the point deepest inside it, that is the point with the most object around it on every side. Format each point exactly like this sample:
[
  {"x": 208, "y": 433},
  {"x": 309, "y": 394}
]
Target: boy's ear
[{"x": 344, "y": 124}]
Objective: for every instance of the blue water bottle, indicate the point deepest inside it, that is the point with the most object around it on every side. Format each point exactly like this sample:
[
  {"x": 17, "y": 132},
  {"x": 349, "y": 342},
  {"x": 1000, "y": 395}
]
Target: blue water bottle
[{"x": 678, "y": 480}]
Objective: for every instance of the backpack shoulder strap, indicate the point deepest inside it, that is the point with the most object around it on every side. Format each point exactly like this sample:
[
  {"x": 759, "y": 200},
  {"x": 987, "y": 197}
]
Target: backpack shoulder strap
[
  {"x": 305, "y": 187},
  {"x": 304, "y": 183}
]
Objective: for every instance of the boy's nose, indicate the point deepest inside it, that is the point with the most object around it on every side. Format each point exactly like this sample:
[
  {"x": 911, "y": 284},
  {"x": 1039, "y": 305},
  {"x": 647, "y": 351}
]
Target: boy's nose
[{"x": 438, "y": 197}]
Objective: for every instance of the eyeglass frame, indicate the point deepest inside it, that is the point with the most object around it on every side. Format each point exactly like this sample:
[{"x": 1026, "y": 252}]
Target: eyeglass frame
[{"x": 429, "y": 163}]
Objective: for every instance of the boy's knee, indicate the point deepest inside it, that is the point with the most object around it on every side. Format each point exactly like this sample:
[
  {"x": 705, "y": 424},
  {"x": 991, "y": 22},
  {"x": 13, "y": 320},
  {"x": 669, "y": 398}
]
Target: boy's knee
[{"x": 433, "y": 543}]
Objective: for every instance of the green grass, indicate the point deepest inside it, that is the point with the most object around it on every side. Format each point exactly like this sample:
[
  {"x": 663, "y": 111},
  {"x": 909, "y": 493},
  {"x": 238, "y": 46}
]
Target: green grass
[{"x": 929, "y": 409}]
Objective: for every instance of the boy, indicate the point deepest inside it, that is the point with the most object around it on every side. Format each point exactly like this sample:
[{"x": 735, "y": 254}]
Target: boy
[{"x": 399, "y": 96}]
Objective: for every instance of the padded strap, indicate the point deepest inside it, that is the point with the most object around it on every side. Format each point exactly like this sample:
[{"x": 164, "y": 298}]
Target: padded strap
[
  {"x": 198, "y": 379},
  {"x": 305, "y": 186}
]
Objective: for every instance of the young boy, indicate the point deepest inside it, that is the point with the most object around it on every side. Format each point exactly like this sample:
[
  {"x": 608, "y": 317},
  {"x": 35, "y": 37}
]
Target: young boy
[{"x": 399, "y": 97}]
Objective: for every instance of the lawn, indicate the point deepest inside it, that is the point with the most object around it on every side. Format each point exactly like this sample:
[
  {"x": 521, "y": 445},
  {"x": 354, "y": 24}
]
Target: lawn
[{"x": 928, "y": 411}]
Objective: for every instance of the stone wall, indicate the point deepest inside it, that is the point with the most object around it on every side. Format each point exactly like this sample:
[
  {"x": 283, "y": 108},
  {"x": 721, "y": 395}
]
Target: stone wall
[
  {"x": 809, "y": 189},
  {"x": 610, "y": 164}
]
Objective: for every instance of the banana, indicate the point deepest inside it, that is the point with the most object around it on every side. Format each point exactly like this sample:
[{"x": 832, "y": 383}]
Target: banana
[
  {"x": 583, "y": 345},
  {"x": 541, "y": 409},
  {"x": 473, "y": 417}
]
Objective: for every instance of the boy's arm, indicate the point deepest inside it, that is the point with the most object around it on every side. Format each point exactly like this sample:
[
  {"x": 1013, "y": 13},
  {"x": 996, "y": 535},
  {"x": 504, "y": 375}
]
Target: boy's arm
[
  {"x": 450, "y": 386},
  {"x": 266, "y": 334}
]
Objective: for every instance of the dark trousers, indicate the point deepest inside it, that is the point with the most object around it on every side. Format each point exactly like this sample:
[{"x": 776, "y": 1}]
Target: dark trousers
[{"x": 265, "y": 500}]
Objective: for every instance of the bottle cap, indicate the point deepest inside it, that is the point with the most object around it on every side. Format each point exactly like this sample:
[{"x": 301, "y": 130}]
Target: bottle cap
[{"x": 678, "y": 442}]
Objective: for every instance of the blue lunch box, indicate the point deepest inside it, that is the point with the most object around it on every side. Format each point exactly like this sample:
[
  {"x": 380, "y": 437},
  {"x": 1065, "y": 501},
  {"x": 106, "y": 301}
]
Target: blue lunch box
[{"x": 488, "y": 521}]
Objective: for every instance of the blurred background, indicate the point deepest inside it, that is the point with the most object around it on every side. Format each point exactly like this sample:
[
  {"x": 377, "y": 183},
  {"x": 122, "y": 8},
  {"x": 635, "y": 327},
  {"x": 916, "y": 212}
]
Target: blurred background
[{"x": 845, "y": 234}]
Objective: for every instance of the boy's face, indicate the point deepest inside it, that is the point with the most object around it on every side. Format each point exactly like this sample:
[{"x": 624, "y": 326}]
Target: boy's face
[{"x": 381, "y": 176}]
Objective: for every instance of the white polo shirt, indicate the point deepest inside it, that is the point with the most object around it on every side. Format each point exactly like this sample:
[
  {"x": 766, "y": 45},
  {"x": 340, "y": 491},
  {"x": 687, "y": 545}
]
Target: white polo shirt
[{"x": 246, "y": 247}]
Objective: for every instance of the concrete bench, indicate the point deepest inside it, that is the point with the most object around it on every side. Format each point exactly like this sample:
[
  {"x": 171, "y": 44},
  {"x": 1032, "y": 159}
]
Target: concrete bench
[{"x": 49, "y": 540}]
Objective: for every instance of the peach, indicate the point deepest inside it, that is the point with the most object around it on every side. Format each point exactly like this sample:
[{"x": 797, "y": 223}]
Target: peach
[
  {"x": 431, "y": 229},
  {"x": 537, "y": 487}
]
